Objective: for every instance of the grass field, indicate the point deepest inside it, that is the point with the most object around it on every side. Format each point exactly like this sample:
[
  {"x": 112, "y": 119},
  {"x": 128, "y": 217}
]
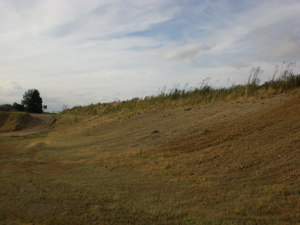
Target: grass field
[{"x": 231, "y": 161}]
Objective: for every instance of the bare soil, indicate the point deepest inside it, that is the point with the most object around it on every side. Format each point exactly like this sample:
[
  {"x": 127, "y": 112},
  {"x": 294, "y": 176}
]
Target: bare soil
[{"x": 234, "y": 162}]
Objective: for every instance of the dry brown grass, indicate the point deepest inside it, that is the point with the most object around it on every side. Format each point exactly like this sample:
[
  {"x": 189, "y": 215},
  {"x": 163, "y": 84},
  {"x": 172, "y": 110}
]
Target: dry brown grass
[{"x": 234, "y": 162}]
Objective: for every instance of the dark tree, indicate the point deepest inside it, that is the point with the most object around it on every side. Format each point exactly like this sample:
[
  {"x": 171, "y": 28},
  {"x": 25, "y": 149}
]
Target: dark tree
[
  {"x": 32, "y": 101},
  {"x": 18, "y": 107}
]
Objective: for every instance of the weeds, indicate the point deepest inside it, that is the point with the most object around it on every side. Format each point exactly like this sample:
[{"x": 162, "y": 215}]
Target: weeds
[
  {"x": 166, "y": 166},
  {"x": 155, "y": 132},
  {"x": 286, "y": 81},
  {"x": 205, "y": 93}
]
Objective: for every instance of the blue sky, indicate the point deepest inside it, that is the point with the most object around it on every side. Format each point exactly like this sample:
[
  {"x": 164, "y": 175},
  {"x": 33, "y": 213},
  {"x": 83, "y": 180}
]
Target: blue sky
[{"x": 81, "y": 52}]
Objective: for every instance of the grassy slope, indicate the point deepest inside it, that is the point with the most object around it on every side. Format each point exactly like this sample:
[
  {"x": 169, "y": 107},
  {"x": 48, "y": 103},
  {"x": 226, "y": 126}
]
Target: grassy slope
[
  {"x": 223, "y": 163},
  {"x": 13, "y": 121}
]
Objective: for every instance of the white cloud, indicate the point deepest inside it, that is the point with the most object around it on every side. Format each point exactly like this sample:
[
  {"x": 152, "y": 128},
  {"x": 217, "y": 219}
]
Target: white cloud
[
  {"x": 8, "y": 92},
  {"x": 79, "y": 52},
  {"x": 286, "y": 50},
  {"x": 188, "y": 52},
  {"x": 239, "y": 64}
]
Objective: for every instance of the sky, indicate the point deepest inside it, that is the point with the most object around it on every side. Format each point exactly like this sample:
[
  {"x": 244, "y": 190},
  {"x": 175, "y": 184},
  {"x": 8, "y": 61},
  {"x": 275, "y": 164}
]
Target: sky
[{"x": 87, "y": 52}]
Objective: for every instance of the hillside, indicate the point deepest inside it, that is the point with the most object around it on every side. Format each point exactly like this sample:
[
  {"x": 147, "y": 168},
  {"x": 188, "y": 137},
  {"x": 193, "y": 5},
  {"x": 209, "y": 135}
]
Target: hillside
[
  {"x": 229, "y": 162},
  {"x": 21, "y": 123}
]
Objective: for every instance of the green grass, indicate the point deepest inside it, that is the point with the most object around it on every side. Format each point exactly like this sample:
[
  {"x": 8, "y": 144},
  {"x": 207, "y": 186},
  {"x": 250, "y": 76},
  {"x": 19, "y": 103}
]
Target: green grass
[{"x": 154, "y": 132}]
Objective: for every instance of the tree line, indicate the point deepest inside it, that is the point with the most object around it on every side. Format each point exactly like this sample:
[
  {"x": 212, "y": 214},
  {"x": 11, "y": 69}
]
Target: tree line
[{"x": 31, "y": 102}]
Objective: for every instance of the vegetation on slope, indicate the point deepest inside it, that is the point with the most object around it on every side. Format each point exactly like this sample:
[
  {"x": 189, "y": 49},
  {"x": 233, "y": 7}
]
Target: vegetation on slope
[
  {"x": 203, "y": 95},
  {"x": 13, "y": 121},
  {"x": 235, "y": 162}
]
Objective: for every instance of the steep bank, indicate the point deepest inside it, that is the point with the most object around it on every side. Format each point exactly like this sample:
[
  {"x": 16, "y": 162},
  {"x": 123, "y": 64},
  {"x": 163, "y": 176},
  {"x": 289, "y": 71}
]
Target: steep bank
[
  {"x": 234, "y": 162},
  {"x": 21, "y": 123}
]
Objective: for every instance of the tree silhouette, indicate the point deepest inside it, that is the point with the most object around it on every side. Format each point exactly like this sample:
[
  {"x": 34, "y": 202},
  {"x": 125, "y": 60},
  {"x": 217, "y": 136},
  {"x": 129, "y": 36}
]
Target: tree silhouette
[
  {"x": 32, "y": 101},
  {"x": 18, "y": 107}
]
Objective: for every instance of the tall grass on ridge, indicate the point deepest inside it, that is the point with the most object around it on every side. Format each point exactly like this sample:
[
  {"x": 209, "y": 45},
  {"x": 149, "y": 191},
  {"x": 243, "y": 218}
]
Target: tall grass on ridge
[{"x": 204, "y": 94}]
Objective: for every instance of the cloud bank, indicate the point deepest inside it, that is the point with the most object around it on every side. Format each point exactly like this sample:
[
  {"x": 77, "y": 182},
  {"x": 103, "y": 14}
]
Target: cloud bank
[{"x": 78, "y": 53}]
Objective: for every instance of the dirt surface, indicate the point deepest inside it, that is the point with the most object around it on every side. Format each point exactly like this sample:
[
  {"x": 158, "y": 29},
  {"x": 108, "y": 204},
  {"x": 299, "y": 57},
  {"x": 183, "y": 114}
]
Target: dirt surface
[
  {"x": 180, "y": 125},
  {"x": 234, "y": 162}
]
